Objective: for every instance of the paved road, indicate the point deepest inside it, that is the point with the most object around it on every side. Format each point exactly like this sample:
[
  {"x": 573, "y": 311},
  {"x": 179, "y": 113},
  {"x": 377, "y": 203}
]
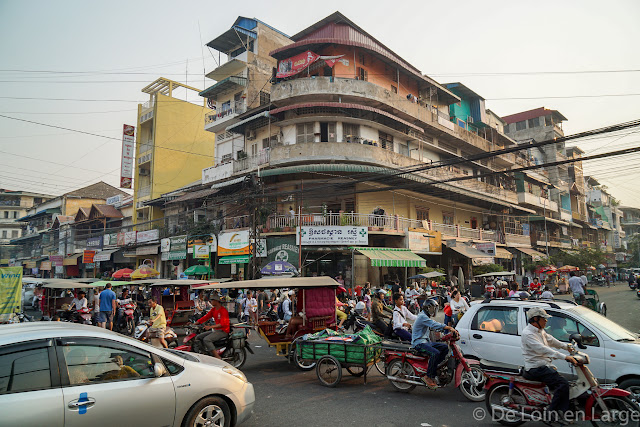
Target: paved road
[{"x": 286, "y": 395}]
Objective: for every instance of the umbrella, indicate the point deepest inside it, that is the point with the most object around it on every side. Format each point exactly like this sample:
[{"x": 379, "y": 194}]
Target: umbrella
[
  {"x": 429, "y": 275},
  {"x": 461, "y": 279},
  {"x": 198, "y": 270},
  {"x": 567, "y": 268},
  {"x": 144, "y": 272},
  {"x": 341, "y": 289},
  {"x": 275, "y": 268},
  {"x": 123, "y": 273},
  {"x": 601, "y": 266}
]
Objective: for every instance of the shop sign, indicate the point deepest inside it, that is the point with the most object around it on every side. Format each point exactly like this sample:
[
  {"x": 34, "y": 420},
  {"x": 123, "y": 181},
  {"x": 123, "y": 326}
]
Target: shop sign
[
  {"x": 110, "y": 239},
  {"x": 234, "y": 243},
  {"x": 487, "y": 248},
  {"x": 45, "y": 265},
  {"x": 95, "y": 242},
  {"x": 165, "y": 245},
  {"x": 333, "y": 235},
  {"x": 89, "y": 266},
  {"x": 56, "y": 260},
  {"x": 291, "y": 66},
  {"x": 102, "y": 256},
  {"x": 178, "y": 248},
  {"x": 238, "y": 259},
  {"x": 128, "y": 153},
  {"x": 261, "y": 248},
  {"x": 148, "y": 236},
  {"x": 147, "y": 250},
  {"x": 121, "y": 238},
  {"x": 419, "y": 241},
  {"x": 616, "y": 240},
  {"x": 10, "y": 291},
  {"x": 87, "y": 257},
  {"x": 30, "y": 264},
  {"x": 209, "y": 240},
  {"x": 201, "y": 251},
  {"x": 282, "y": 249},
  {"x": 129, "y": 237},
  {"x": 114, "y": 200}
]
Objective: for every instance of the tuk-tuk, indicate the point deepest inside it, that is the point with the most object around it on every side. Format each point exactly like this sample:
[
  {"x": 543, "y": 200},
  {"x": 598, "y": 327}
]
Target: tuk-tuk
[{"x": 316, "y": 299}]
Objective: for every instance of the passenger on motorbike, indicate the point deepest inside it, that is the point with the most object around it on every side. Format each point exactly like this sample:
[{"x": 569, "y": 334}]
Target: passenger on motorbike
[
  {"x": 421, "y": 339},
  {"x": 538, "y": 351},
  {"x": 400, "y": 316},
  {"x": 378, "y": 316},
  {"x": 122, "y": 301},
  {"x": 215, "y": 332}
]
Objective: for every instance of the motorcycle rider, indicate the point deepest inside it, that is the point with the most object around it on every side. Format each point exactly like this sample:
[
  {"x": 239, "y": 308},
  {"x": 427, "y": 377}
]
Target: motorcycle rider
[
  {"x": 78, "y": 304},
  {"x": 122, "y": 301},
  {"x": 538, "y": 351},
  {"x": 421, "y": 340},
  {"x": 378, "y": 317},
  {"x": 215, "y": 332}
]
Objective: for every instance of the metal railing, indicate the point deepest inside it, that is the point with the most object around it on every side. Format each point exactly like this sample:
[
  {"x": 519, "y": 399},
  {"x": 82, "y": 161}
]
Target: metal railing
[
  {"x": 149, "y": 104},
  {"x": 252, "y": 162},
  {"x": 237, "y": 109},
  {"x": 144, "y": 191}
]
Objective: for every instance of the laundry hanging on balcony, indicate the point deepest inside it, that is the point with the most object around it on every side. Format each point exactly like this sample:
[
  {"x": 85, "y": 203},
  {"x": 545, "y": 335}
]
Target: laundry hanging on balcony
[{"x": 292, "y": 66}]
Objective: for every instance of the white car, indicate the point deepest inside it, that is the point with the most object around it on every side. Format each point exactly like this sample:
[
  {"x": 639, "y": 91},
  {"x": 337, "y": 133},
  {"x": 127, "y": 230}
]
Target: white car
[
  {"x": 491, "y": 331},
  {"x": 65, "y": 374}
]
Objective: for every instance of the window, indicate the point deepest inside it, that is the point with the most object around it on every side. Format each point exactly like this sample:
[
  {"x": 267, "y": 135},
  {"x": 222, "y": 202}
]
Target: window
[
  {"x": 15, "y": 214},
  {"x": 506, "y": 128},
  {"x": 548, "y": 121},
  {"x": 24, "y": 369},
  {"x": 226, "y": 106},
  {"x": 328, "y": 132},
  {"x": 350, "y": 132},
  {"x": 533, "y": 123},
  {"x": 361, "y": 59},
  {"x": 386, "y": 141},
  {"x": 447, "y": 218},
  {"x": 521, "y": 125},
  {"x": 14, "y": 233},
  {"x": 95, "y": 363},
  {"x": 265, "y": 98},
  {"x": 6, "y": 214},
  {"x": 503, "y": 320},
  {"x": 4, "y": 234},
  {"x": 422, "y": 213},
  {"x": 254, "y": 149},
  {"x": 37, "y": 200},
  {"x": 394, "y": 89},
  {"x": 561, "y": 327},
  {"x": 304, "y": 132},
  {"x": 361, "y": 74}
]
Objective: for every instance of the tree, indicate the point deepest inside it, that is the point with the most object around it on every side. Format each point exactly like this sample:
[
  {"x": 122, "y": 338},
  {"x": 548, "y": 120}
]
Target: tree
[
  {"x": 487, "y": 268},
  {"x": 581, "y": 258}
]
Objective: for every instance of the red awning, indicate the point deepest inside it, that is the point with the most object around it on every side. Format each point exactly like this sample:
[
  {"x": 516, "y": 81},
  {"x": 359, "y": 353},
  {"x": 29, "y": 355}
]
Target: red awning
[{"x": 346, "y": 105}]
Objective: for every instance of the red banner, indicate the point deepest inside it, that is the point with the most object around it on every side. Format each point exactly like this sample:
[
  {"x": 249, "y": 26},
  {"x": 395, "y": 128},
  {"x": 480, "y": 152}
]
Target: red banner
[{"x": 291, "y": 66}]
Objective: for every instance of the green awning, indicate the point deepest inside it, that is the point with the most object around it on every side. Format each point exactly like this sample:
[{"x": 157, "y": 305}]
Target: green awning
[
  {"x": 235, "y": 259},
  {"x": 223, "y": 86},
  {"x": 392, "y": 257}
]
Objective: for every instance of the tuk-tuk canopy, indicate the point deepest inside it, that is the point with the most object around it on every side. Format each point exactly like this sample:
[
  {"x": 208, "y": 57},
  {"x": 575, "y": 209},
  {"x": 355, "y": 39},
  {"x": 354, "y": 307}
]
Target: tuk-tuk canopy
[{"x": 274, "y": 282}]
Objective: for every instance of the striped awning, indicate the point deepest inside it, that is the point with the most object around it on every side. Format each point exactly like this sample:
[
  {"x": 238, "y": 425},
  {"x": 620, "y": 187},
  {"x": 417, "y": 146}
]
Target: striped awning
[{"x": 392, "y": 257}]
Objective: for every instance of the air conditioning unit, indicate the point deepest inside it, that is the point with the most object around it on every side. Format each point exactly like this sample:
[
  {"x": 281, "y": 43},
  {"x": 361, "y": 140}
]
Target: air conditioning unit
[{"x": 251, "y": 135}]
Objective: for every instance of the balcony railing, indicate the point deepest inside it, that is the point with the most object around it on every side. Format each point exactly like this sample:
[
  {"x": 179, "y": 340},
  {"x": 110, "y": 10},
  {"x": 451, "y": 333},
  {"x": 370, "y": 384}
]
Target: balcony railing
[
  {"x": 251, "y": 162},
  {"x": 239, "y": 108},
  {"x": 15, "y": 202},
  {"x": 144, "y": 191}
]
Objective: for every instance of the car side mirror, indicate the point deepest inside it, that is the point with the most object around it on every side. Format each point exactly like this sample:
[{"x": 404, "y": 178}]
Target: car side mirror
[
  {"x": 159, "y": 370},
  {"x": 577, "y": 338}
]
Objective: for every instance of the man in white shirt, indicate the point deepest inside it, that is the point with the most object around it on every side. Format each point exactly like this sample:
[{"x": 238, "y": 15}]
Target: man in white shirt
[
  {"x": 538, "y": 351},
  {"x": 80, "y": 302},
  {"x": 401, "y": 316},
  {"x": 575, "y": 283}
]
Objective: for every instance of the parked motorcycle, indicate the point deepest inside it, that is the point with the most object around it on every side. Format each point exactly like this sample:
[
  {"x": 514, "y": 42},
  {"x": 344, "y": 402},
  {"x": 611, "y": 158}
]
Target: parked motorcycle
[
  {"x": 513, "y": 400},
  {"x": 141, "y": 333},
  {"x": 232, "y": 349},
  {"x": 406, "y": 369}
]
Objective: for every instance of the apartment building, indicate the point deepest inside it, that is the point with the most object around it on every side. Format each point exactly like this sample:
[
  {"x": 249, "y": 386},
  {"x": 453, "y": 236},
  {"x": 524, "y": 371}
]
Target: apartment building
[{"x": 347, "y": 110}]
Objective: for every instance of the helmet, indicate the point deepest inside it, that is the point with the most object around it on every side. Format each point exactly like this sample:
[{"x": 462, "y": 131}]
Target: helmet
[
  {"x": 430, "y": 307},
  {"x": 381, "y": 291},
  {"x": 537, "y": 312}
]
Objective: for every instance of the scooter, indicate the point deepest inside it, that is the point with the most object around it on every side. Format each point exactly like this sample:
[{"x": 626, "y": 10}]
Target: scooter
[
  {"x": 232, "y": 349},
  {"x": 126, "y": 319},
  {"x": 141, "y": 332},
  {"x": 513, "y": 400},
  {"x": 638, "y": 293},
  {"x": 84, "y": 316},
  {"x": 406, "y": 368}
]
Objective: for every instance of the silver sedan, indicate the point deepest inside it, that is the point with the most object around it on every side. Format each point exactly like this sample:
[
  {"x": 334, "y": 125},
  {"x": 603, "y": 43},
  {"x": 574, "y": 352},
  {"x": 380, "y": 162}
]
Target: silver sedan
[{"x": 64, "y": 374}]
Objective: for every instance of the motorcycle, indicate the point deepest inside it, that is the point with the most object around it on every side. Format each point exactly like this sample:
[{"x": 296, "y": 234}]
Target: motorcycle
[
  {"x": 638, "y": 293},
  {"x": 232, "y": 349},
  {"x": 125, "y": 323},
  {"x": 84, "y": 316},
  {"x": 513, "y": 400},
  {"x": 141, "y": 332},
  {"x": 407, "y": 367}
]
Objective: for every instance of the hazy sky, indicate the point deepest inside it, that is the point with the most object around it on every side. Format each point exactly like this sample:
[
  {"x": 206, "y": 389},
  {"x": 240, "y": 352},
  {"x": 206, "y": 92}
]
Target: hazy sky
[{"x": 500, "y": 49}]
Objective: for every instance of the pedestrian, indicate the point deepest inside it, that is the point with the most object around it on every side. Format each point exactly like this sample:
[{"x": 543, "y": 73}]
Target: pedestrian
[
  {"x": 107, "y": 307},
  {"x": 546, "y": 294},
  {"x": 262, "y": 301},
  {"x": 252, "y": 305},
  {"x": 575, "y": 283},
  {"x": 367, "y": 303}
]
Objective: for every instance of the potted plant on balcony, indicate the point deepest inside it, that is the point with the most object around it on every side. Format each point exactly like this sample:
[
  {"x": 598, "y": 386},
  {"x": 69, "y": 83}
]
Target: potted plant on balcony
[{"x": 242, "y": 155}]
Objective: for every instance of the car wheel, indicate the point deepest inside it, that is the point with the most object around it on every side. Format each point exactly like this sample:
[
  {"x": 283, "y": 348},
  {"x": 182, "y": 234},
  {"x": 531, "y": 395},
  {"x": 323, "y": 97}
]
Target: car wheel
[
  {"x": 210, "y": 411},
  {"x": 632, "y": 385}
]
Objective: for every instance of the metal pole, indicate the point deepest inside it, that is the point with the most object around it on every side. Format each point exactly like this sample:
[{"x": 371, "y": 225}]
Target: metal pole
[
  {"x": 299, "y": 242},
  {"x": 546, "y": 236}
]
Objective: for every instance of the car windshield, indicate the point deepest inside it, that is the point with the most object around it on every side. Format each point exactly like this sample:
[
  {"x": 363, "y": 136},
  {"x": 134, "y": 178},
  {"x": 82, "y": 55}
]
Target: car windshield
[
  {"x": 607, "y": 326},
  {"x": 181, "y": 354}
]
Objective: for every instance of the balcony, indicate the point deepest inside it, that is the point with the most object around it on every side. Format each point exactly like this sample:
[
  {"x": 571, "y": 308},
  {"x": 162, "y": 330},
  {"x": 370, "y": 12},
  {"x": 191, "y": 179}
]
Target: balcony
[
  {"x": 10, "y": 202},
  {"x": 566, "y": 215},
  {"x": 144, "y": 191},
  {"x": 358, "y": 91},
  {"x": 217, "y": 173},
  {"x": 526, "y": 198},
  {"x": 233, "y": 66},
  {"x": 251, "y": 163},
  {"x": 217, "y": 122}
]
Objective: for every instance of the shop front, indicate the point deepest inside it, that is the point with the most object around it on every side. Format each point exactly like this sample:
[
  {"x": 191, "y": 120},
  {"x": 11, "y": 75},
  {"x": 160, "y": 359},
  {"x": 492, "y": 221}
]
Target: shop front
[
  {"x": 465, "y": 256},
  {"x": 71, "y": 267},
  {"x": 173, "y": 254},
  {"x": 234, "y": 249}
]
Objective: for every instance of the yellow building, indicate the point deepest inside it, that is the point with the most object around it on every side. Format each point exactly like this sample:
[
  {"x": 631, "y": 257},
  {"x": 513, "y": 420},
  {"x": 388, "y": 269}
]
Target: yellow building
[{"x": 172, "y": 148}]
